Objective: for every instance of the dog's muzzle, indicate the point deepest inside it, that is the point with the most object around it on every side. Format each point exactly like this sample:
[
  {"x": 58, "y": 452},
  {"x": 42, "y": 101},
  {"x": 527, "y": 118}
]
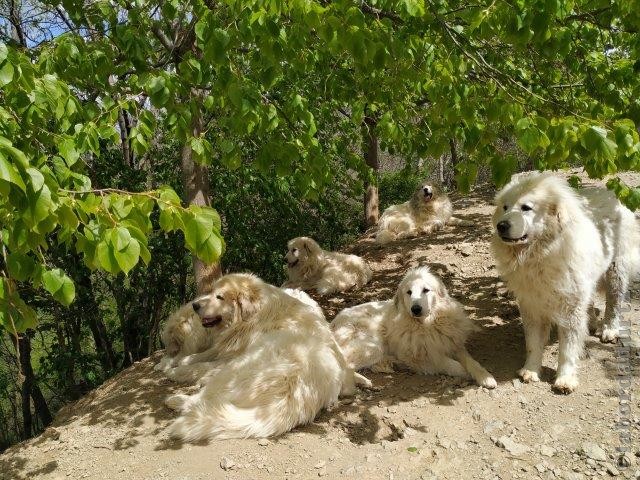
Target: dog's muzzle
[
  {"x": 209, "y": 322},
  {"x": 505, "y": 230},
  {"x": 428, "y": 194},
  {"x": 293, "y": 264},
  {"x": 416, "y": 310}
]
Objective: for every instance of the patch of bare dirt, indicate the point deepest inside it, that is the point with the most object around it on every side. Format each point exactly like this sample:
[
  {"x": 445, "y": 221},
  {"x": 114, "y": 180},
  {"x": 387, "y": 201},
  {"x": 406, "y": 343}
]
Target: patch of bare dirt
[{"x": 409, "y": 427}]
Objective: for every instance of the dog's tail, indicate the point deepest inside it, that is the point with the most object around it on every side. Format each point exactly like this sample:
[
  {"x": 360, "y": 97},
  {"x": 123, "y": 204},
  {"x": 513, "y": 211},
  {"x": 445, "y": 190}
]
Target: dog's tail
[
  {"x": 461, "y": 222},
  {"x": 225, "y": 420},
  {"x": 385, "y": 236}
]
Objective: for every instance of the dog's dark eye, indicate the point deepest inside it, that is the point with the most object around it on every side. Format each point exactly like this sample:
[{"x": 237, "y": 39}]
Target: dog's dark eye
[
  {"x": 219, "y": 297},
  {"x": 408, "y": 292},
  {"x": 425, "y": 290},
  {"x": 505, "y": 207},
  {"x": 526, "y": 208}
]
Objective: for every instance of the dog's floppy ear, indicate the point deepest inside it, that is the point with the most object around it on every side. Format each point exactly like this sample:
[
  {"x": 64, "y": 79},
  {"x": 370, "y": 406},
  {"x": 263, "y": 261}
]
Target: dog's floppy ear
[
  {"x": 311, "y": 246},
  {"x": 247, "y": 300},
  {"x": 441, "y": 290},
  {"x": 559, "y": 214}
]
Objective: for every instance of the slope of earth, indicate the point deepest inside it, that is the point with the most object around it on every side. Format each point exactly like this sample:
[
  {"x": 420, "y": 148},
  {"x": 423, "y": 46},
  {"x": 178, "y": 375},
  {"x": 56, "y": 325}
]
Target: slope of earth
[{"x": 408, "y": 427}]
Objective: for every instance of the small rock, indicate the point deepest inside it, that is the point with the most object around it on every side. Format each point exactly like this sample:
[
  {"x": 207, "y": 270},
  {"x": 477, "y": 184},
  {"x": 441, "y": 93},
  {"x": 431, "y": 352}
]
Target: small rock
[
  {"x": 611, "y": 470},
  {"x": 444, "y": 443},
  {"x": 517, "y": 384},
  {"x": 573, "y": 476},
  {"x": 594, "y": 451},
  {"x": 514, "y": 448},
  {"x": 547, "y": 451},
  {"x": 626, "y": 460},
  {"x": 226, "y": 463},
  {"x": 320, "y": 465},
  {"x": 540, "y": 468},
  {"x": 476, "y": 415},
  {"x": 322, "y": 472},
  {"x": 263, "y": 442},
  {"x": 493, "y": 425}
]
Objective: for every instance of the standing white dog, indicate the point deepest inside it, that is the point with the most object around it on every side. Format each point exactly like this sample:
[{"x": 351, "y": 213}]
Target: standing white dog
[
  {"x": 429, "y": 209},
  {"x": 310, "y": 267},
  {"x": 273, "y": 365},
  {"x": 554, "y": 247},
  {"x": 422, "y": 328}
]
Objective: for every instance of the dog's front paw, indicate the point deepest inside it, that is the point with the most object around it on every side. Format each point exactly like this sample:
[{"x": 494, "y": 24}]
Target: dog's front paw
[
  {"x": 164, "y": 364},
  {"x": 566, "y": 384},
  {"x": 488, "y": 382},
  {"x": 528, "y": 375},
  {"x": 176, "y": 402},
  {"x": 362, "y": 381},
  {"x": 609, "y": 335}
]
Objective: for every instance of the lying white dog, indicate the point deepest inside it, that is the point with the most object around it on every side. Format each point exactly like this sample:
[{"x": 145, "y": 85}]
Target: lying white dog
[
  {"x": 184, "y": 335},
  {"x": 554, "y": 247},
  {"x": 429, "y": 209},
  {"x": 310, "y": 267},
  {"x": 422, "y": 328},
  {"x": 273, "y": 364}
]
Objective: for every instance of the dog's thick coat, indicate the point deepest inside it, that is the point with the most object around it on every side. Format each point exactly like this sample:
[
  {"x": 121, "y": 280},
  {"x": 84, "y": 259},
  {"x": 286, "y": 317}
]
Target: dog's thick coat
[
  {"x": 429, "y": 209},
  {"x": 554, "y": 248},
  {"x": 183, "y": 333},
  {"x": 422, "y": 328},
  {"x": 273, "y": 364},
  {"x": 309, "y": 267}
]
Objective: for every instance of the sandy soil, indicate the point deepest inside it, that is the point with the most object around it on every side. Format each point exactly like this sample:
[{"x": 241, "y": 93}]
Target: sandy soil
[{"x": 409, "y": 427}]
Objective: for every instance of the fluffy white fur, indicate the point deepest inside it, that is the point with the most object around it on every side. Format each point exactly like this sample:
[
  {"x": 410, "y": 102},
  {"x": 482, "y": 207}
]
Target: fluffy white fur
[
  {"x": 273, "y": 364},
  {"x": 309, "y": 267},
  {"x": 429, "y": 209},
  {"x": 422, "y": 328},
  {"x": 554, "y": 247},
  {"x": 183, "y": 333}
]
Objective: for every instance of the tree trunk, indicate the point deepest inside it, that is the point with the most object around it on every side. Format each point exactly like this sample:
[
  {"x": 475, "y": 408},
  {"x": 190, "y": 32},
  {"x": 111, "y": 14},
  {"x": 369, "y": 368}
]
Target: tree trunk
[
  {"x": 30, "y": 389},
  {"x": 454, "y": 161},
  {"x": 125, "y": 128},
  {"x": 371, "y": 157},
  {"x": 196, "y": 188}
]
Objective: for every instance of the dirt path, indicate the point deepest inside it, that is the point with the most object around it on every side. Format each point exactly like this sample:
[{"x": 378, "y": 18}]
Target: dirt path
[{"x": 409, "y": 427}]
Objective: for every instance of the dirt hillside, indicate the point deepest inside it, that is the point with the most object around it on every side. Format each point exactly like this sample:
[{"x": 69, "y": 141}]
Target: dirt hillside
[{"x": 409, "y": 427}]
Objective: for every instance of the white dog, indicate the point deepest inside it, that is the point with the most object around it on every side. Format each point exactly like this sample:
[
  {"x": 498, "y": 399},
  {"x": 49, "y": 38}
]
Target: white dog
[
  {"x": 422, "y": 328},
  {"x": 310, "y": 267},
  {"x": 554, "y": 247},
  {"x": 273, "y": 365},
  {"x": 429, "y": 209},
  {"x": 184, "y": 335}
]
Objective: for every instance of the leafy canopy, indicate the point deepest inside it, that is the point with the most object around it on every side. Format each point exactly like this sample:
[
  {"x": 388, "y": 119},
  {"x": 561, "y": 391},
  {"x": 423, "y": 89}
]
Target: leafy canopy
[{"x": 286, "y": 85}]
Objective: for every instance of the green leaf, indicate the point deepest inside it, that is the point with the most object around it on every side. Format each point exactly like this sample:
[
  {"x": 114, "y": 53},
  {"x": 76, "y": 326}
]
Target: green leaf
[
  {"x": 8, "y": 173},
  {"x": 127, "y": 257},
  {"x": 6, "y": 74},
  {"x": 106, "y": 257},
  {"x": 59, "y": 285},
  {"x": 4, "y": 52},
  {"x": 20, "y": 266},
  {"x": 67, "y": 150}
]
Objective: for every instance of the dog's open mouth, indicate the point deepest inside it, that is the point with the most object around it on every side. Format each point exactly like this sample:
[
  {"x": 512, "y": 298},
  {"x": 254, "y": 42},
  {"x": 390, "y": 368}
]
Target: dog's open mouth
[
  {"x": 515, "y": 240},
  {"x": 209, "y": 322},
  {"x": 428, "y": 196},
  {"x": 293, "y": 264}
]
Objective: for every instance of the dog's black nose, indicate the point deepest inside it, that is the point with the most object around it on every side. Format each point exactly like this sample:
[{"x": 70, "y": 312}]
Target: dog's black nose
[
  {"x": 503, "y": 226},
  {"x": 196, "y": 306},
  {"x": 416, "y": 309}
]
